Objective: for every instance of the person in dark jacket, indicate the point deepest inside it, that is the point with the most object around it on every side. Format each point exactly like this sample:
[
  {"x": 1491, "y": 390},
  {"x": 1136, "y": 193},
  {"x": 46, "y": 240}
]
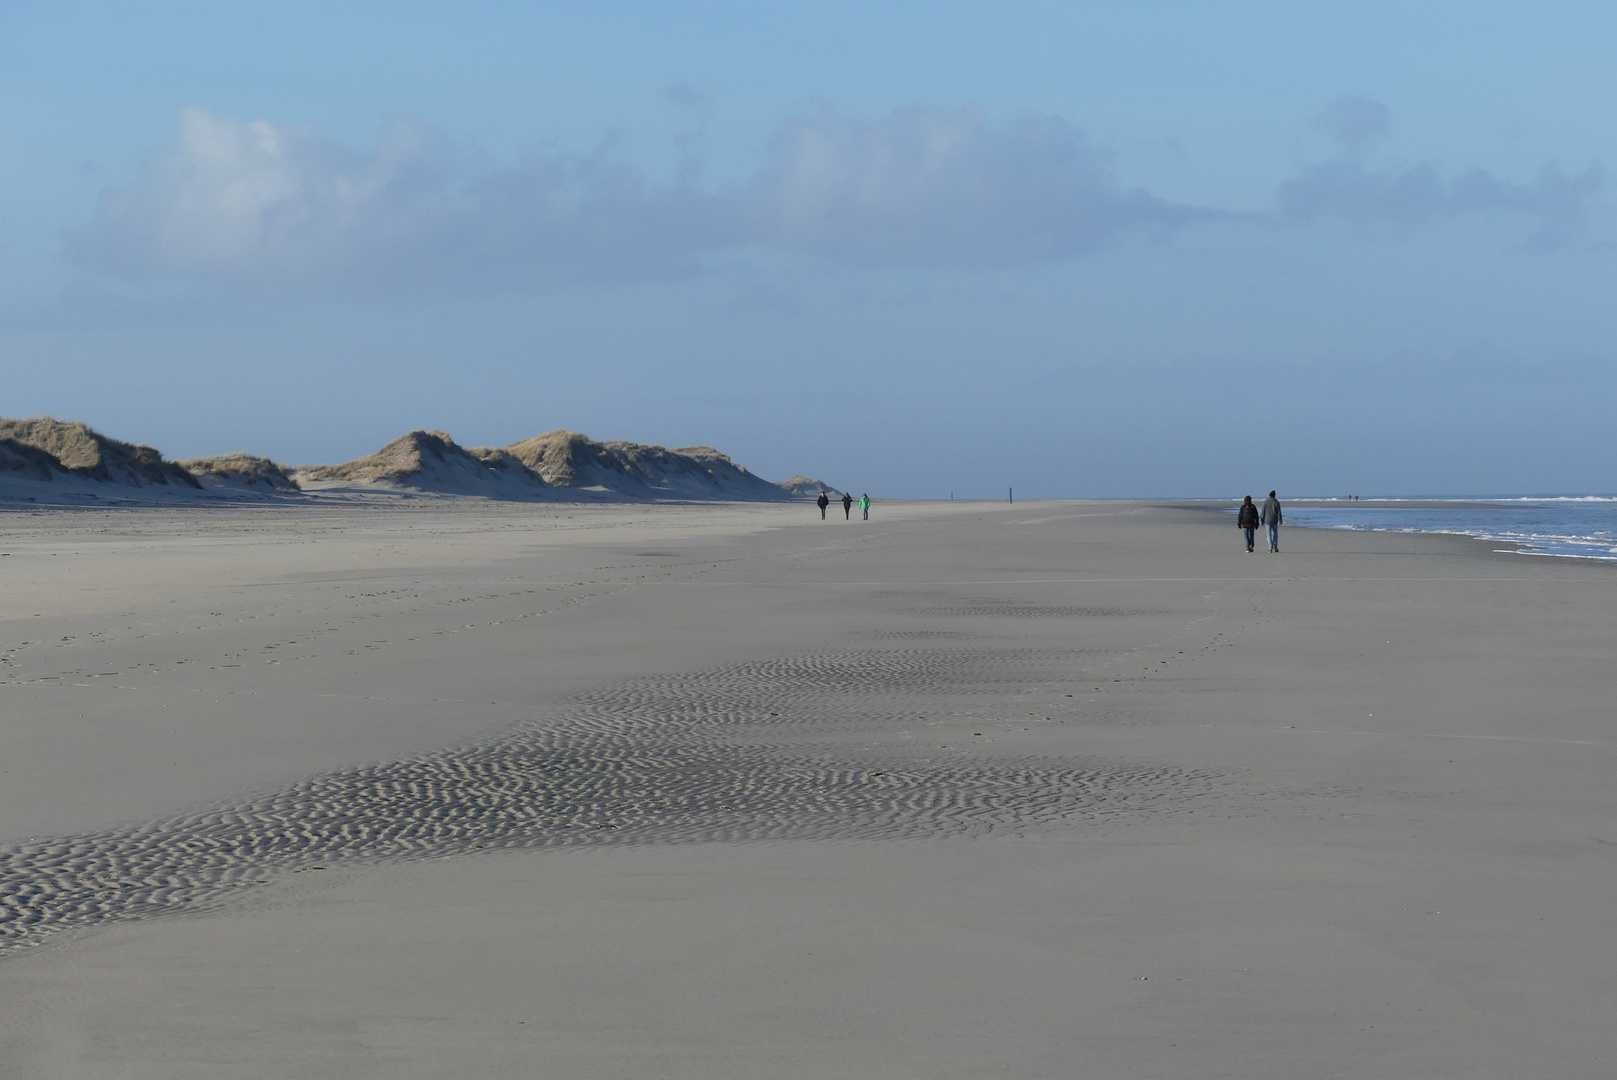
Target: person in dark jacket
[
  {"x": 1271, "y": 517},
  {"x": 825, "y": 500},
  {"x": 1247, "y": 519},
  {"x": 847, "y": 505}
]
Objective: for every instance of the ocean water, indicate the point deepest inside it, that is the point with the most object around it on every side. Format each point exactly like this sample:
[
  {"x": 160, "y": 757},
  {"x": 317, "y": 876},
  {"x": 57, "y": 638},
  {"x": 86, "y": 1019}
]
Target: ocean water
[{"x": 1582, "y": 527}]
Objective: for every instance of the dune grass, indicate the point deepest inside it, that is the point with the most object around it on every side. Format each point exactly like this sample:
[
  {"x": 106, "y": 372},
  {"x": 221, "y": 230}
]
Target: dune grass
[{"x": 74, "y": 448}]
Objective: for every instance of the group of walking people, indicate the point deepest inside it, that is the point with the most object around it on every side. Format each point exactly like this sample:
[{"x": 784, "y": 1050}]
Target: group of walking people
[
  {"x": 1249, "y": 517},
  {"x": 847, "y": 505}
]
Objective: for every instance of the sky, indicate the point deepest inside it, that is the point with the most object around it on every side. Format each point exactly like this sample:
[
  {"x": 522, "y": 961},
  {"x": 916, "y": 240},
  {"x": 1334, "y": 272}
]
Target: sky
[{"x": 1152, "y": 249}]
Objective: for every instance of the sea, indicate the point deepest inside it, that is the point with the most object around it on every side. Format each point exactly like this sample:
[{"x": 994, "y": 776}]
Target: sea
[{"x": 1565, "y": 526}]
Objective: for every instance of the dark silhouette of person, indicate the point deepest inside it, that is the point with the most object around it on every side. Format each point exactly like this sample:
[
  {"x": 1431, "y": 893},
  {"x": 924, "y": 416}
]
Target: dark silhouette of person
[
  {"x": 847, "y": 505},
  {"x": 824, "y": 500},
  {"x": 1271, "y": 517},
  {"x": 1247, "y": 519}
]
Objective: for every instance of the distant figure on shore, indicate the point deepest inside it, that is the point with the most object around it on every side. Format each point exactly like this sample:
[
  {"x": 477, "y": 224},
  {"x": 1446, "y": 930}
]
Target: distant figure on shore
[
  {"x": 1247, "y": 520},
  {"x": 864, "y": 506},
  {"x": 847, "y": 505},
  {"x": 1271, "y": 518},
  {"x": 824, "y": 500}
]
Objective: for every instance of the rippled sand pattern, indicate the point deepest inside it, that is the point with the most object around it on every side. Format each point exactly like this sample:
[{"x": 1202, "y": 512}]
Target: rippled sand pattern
[
  {"x": 726, "y": 754},
  {"x": 1025, "y": 611}
]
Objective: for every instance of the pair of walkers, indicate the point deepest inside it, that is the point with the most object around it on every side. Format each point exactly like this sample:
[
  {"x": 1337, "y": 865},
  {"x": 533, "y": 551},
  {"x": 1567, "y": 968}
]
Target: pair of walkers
[
  {"x": 847, "y": 505},
  {"x": 1249, "y": 517}
]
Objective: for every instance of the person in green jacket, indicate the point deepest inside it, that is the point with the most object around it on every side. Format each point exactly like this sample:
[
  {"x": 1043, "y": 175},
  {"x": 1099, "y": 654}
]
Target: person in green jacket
[{"x": 864, "y": 506}]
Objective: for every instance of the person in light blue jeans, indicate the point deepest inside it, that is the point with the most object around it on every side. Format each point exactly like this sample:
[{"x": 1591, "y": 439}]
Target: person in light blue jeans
[{"x": 1271, "y": 518}]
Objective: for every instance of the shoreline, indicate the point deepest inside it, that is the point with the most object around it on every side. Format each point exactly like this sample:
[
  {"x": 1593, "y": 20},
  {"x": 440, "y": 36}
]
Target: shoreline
[{"x": 1572, "y": 530}]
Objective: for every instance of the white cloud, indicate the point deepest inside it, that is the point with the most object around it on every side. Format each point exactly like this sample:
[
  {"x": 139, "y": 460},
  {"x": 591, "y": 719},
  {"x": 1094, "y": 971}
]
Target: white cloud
[
  {"x": 1355, "y": 123},
  {"x": 1351, "y": 192},
  {"x": 255, "y": 205},
  {"x": 682, "y": 95},
  {"x": 248, "y": 201},
  {"x": 1346, "y": 189},
  {"x": 945, "y": 185},
  {"x": 234, "y": 197}
]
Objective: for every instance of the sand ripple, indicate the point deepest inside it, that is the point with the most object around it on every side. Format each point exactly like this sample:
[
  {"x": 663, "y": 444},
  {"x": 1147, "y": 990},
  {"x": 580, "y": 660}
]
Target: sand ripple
[
  {"x": 726, "y": 754},
  {"x": 1008, "y": 610}
]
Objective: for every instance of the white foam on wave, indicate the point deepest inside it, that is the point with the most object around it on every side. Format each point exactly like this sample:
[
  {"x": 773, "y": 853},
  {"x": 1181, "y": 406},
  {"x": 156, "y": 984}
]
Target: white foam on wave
[
  {"x": 1555, "y": 499},
  {"x": 1568, "y": 536}
]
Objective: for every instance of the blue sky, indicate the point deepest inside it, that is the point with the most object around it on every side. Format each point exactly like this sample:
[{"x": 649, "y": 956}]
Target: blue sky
[{"x": 1086, "y": 249}]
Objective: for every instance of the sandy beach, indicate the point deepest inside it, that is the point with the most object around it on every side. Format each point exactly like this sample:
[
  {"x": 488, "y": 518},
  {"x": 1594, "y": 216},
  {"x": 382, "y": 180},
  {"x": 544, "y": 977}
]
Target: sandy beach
[{"x": 1063, "y": 789}]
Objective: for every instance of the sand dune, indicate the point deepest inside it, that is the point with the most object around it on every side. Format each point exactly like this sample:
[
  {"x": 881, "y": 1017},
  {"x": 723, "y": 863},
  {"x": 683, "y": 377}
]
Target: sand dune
[
  {"x": 43, "y": 455},
  {"x": 240, "y": 472},
  {"x": 430, "y": 461},
  {"x": 578, "y": 463},
  {"x": 807, "y": 485},
  {"x": 558, "y": 466},
  {"x": 51, "y": 461}
]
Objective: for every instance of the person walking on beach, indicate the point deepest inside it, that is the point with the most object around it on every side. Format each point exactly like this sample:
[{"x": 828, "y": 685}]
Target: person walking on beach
[
  {"x": 847, "y": 505},
  {"x": 824, "y": 500},
  {"x": 1247, "y": 520},
  {"x": 1271, "y": 517},
  {"x": 864, "y": 506}
]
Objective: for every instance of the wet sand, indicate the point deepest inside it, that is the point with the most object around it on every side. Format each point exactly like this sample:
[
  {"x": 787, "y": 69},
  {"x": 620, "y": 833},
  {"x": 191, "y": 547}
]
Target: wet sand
[{"x": 1052, "y": 789}]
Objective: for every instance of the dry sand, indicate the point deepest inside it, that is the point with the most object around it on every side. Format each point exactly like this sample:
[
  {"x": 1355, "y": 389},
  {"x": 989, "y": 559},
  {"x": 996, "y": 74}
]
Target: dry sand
[{"x": 1050, "y": 790}]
